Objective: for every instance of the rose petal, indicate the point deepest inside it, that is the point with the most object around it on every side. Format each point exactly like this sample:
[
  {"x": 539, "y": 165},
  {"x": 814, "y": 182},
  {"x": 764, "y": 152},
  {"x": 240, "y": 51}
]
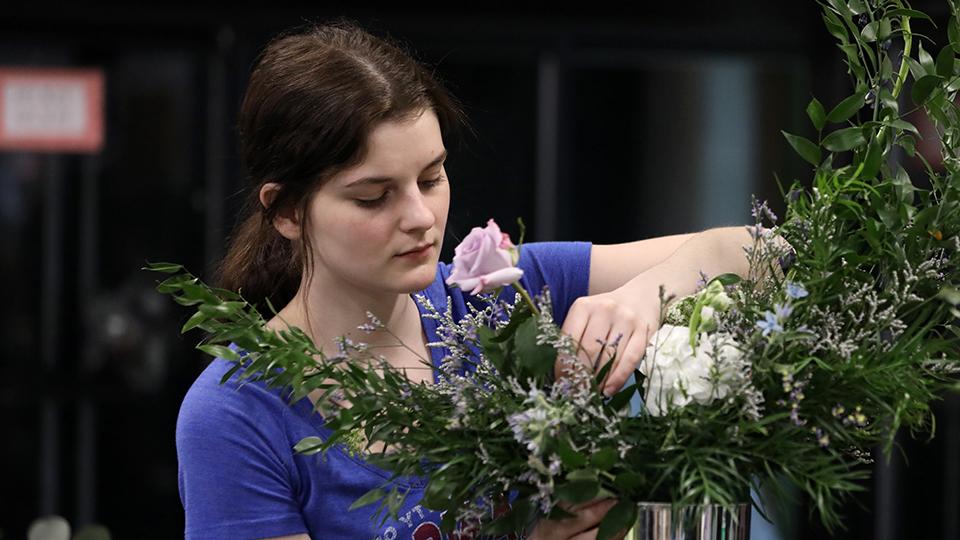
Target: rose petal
[{"x": 500, "y": 278}]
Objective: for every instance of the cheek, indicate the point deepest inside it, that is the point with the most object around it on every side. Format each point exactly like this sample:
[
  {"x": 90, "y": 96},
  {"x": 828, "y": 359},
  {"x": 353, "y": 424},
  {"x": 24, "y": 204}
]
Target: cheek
[{"x": 442, "y": 206}]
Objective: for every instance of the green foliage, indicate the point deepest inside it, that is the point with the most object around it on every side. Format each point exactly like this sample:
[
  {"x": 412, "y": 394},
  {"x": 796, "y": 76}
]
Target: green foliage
[{"x": 836, "y": 372}]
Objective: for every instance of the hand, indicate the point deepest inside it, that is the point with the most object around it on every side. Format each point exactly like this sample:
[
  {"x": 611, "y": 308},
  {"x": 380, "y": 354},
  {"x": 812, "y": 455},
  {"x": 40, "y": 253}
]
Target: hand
[
  {"x": 582, "y": 526},
  {"x": 620, "y": 321}
]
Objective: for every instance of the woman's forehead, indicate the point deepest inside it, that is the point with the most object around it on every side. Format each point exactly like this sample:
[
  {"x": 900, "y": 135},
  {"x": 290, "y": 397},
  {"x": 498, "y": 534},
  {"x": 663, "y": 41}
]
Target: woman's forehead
[{"x": 399, "y": 148}]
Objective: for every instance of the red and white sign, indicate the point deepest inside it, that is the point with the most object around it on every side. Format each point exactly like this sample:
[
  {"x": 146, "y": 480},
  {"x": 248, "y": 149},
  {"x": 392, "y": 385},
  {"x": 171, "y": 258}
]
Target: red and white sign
[{"x": 51, "y": 110}]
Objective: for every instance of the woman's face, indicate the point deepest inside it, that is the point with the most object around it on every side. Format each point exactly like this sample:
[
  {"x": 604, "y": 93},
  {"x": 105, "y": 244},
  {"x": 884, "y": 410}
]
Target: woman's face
[{"x": 367, "y": 223}]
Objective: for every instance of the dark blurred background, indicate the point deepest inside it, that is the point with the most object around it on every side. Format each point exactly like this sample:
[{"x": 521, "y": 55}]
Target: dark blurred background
[{"x": 594, "y": 122}]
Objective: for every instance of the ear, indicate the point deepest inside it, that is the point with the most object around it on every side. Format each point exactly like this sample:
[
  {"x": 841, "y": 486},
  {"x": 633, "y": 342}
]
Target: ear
[{"x": 287, "y": 220}]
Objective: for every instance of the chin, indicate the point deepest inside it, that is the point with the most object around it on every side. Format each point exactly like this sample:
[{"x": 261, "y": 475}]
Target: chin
[{"x": 419, "y": 280}]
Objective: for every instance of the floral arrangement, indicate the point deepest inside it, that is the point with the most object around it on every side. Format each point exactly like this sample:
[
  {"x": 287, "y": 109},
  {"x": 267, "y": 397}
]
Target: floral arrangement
[{"x": 797, "y": 371}]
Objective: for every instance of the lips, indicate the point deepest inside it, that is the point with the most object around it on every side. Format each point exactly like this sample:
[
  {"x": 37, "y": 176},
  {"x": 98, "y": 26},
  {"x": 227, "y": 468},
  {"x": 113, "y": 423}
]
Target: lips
[{"x": 421, "y": 247}]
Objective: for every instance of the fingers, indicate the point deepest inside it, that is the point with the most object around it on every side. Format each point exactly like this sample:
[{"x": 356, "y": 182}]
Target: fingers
[
  {"x": 596, "y": 323},
  {"x": 629, "y": 356},
  {"x": 593, "y": 351},
  {"x": 585, "y": 521}
]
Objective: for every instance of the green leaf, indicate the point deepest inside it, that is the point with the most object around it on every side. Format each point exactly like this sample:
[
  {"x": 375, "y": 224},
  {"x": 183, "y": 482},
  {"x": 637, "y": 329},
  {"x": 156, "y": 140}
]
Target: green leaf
[
  {"x": 582, "y": 474},
  {"x": 922, "y": 88},
  {"x": 856, "y": 6},
  {"x": 841, "y": 6},
  {"x": 847, "y": 108},
  {"x": 908, "y": 144},
  {"x": 817, "y": 114},
  {"x": 577, "y": 491},
  {"x": 844, "y": 139},
  {"x": 438, "y": 491},
  {"x": 926, "y": 61},
  {"x": 835, "y": 26},
  {"x": 621, "y": 399},
  {"x": 537, "y": 359},
  {"x": 520, "y": 314},
  {"x": 220, "y": 351},
  {"x": 628, "y": 481},
  {"x": 884, "y": 31},
  {"x": 809, "y": 151},
  {"x": 196, "y": 320},
  {"x": 904, "y": 186},
  {"x": 570, "y": 458},
  {"x": 903, "y": 125},
  {"x": 945, "y": 61},
  {"x": 602, "y": 372},
  {"x": 174, "y": 283},
  {"x": 889, "y": 216},
  {"x": 226, "y": 309},
  {"x": 166, "y": 268},
  {"x": 949, "y": 295},
  {"x": 309, "y": 446},
  {"x": 869, "y": 32},
  {"x": 514, "y": 520},
  {"x": 953, "y": 34},
  {"x": 911, "y": 13},
  {"x": 369, "y": 497},
  {"x": 493, "y": 350},
  {"x": 915, "y": 68},
  {"x": 871, "y": 162},
  {"x": 621, "y": 517},
  {"x": 727, "y": 279},
  {"x": 890, "y": 102},
  {"x": 604, "y": 458},
  {"x": 852, "y": 53}
]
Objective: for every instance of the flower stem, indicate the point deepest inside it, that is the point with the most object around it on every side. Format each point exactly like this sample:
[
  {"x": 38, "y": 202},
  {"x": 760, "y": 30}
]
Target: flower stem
[
  {"x": 901, "y": 74},
  {"x": 526, "y": 297}
]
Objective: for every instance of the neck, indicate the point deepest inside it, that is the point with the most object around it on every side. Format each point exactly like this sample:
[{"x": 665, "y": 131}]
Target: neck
[{"x": 326, "y": 313}]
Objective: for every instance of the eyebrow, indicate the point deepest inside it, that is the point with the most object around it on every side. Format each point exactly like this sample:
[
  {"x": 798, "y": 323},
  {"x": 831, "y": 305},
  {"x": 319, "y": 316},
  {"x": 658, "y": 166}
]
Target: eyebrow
[{"x": 385, "y": 179}]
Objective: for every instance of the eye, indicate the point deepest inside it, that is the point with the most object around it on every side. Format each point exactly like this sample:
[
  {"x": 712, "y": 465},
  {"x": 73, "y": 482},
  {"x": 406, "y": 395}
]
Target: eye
[
  {"x": 372, "y": 203},
  {"x": 379, "y": 201},
  {"x": 430, "y": 184}
]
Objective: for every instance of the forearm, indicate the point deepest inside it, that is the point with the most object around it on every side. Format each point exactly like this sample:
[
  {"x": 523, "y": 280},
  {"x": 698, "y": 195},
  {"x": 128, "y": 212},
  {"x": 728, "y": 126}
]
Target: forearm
[{"x": 712, "y": 252}]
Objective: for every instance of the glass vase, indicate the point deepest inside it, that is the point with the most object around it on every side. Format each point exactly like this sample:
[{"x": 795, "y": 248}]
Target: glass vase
[{"x": 695, "y": 522}]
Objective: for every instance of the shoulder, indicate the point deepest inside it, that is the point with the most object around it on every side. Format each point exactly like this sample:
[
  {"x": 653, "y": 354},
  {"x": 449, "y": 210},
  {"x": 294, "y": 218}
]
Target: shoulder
[
  {"x": 235, "y": 457},
  {"x": 561, "y": 267},
  {"x": 233, "y": 414}
]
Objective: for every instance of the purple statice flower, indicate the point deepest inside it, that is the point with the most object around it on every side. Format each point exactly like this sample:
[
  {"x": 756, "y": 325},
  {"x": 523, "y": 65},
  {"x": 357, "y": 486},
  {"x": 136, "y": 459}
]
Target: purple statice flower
[
  {"x": 760, "y": 210},
  {"x": 823, "y": 439},
  {"x": 527, "y": 427},
  {"x": 796, "y": 290},
  {"x": 795, "y": 415},
  {"x": 702, "y": 280},
  {"x": 769, "y": 324}
]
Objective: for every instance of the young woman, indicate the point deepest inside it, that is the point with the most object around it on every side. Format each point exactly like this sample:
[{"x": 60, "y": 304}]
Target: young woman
[{"x": 343, "y": 136}]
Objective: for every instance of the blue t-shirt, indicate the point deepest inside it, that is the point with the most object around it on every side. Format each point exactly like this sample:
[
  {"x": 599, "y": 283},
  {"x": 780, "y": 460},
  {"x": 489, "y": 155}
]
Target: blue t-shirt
[{"x": 240, "y": 478}]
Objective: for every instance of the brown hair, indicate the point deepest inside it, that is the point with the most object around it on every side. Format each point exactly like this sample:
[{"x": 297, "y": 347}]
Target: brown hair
[{"x": 314, "y": 96}]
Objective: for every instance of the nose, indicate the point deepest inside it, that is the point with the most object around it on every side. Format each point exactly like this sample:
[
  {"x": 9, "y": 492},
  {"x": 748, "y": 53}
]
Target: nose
[{"x": 417, "y": 214}]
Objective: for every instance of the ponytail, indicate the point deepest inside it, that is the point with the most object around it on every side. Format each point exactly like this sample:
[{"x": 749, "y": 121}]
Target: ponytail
[{"x": 261, "y": 264}]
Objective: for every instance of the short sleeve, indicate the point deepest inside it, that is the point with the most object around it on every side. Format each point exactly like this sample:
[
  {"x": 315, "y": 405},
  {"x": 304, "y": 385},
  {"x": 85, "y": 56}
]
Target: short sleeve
[
  {"x": 562, "y": 266},
  {"x": 235, "y": 473}
]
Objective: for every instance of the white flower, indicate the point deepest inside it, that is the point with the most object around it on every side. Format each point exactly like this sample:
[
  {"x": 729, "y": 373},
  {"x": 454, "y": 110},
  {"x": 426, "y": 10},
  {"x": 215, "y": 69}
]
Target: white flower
[
  {"x": 676, "y": 375},
  {"x": 715, "y": 296},
  {"x": 707, "y": 322}
]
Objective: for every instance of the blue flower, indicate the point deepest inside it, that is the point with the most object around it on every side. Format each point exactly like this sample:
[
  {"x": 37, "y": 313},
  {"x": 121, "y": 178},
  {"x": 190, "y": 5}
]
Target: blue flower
[
  {"x": 782, "y": 311},
  {"x": 770, "y": 323},
  {"x": 796, "y": 290}
]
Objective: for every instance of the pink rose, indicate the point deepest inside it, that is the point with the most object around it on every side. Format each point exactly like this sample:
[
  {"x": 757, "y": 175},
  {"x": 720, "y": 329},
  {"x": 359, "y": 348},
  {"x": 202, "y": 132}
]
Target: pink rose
[{"x": 484, "y": 260}]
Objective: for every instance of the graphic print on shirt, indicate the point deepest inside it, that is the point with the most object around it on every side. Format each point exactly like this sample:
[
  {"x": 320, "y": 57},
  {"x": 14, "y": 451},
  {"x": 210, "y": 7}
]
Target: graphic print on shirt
[{"x": 430, "y": 530}]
